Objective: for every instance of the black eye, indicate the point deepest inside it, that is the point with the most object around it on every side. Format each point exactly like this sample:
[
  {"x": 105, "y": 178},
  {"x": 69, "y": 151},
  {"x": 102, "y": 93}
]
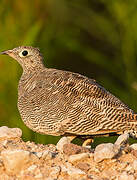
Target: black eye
[{"x": 24, "y": 53}]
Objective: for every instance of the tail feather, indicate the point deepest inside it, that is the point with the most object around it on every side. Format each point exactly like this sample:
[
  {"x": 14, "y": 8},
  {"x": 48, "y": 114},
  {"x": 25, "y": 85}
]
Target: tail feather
[
  {"x": 132, "y": 120},
  {"x": 130, "y": 117}
]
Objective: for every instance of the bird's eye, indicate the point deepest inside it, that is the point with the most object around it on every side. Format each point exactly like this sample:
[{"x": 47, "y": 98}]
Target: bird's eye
[{"x": 24, "y": 53}]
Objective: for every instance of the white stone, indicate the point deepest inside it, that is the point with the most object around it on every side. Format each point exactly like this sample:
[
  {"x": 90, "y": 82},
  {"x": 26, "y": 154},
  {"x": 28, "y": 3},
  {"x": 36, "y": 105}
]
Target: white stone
[
  {"x": 39, "y": 154},
  {"x": 4, "y": 142},
  {"x": 105, "y": 151},
  {"x": 134, "y": 146},
  {"x": 39, "y": 176},
  {"x": 78, "y": 157},
  {"x": 62, "y": 142},
  {"x": 8, "y": 133},
  {"x": 32, "y": 168},
  {"x": 125, "y": 176},
  {"x": 54, "y": 172},
  {"x": 47, "y": 155},
  {"x": 72, "y": 171},
  {"x": 122, "y": 139},
  {"x": 135, "y": 165},
  {"x": 15, "y": 160},
  {"x": 128, "y": 168}
]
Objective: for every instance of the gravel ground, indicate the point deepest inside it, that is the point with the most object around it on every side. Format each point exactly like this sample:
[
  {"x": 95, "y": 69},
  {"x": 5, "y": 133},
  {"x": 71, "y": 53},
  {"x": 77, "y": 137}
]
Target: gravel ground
[{"x": 65, "y": 161}]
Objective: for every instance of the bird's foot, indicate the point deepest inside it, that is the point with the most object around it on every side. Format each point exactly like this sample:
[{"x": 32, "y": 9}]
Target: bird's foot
[{"x": 87, "y": 143}]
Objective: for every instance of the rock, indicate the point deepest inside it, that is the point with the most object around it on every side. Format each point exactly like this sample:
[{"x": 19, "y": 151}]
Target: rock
[
  {"x": 54, "y": 172},
  {"x": 135, "y": 165},
  {"x": 48, "y": 155},
  {"x": 61, "y": 142},
  {"x": 27, "y": 160},
  {"x": 95, "y": 177},
  {"x": 83, "y": 166},
  {"x": 45, "y": 154},
  {"x": 8, "y": 133},
  {"x": 39, "y": 154},
  {"x": 38, "y": 176},
  {"x": 107, "y": 173},
  {"x": 122, "y": 139},
  {"x": 72, "y": 171},
  {"x": 71, "y": 149},
  {"x": 129, "y": 168},
  {"x": 105, "y": 151},
  {"x": 78, "y": 157},
  {"x": 125, "y": 176},
  {"x": 134, "y": 152},
  {"x": 15, "y": 160},
  {"x": 32, "y": 167},
  {"x": 134, "y": 146}
]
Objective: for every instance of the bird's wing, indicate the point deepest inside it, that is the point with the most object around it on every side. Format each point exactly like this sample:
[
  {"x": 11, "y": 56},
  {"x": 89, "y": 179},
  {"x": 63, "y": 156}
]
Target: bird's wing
[
  {"x": 88, "y": 90},
  {"x": 89, "y": 107}
]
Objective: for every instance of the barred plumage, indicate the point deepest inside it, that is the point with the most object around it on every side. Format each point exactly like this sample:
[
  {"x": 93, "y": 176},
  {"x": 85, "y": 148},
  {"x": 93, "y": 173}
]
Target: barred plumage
[{"x": 59, "y": 102}]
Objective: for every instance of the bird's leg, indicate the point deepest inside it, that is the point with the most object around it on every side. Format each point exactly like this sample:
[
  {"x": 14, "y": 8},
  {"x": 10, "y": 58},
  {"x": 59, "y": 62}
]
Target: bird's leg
[{"x": 88, "y": 142}]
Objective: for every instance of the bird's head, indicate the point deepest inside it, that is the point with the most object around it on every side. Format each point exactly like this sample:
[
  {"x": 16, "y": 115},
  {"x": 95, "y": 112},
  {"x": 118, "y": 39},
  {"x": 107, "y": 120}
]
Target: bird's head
[{"x": 28, "y": 57}]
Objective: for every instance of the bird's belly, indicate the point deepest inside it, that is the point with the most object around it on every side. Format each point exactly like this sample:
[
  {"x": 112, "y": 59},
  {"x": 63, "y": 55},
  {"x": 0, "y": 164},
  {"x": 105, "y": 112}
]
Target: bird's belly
[{"x": 41, "y": 117}]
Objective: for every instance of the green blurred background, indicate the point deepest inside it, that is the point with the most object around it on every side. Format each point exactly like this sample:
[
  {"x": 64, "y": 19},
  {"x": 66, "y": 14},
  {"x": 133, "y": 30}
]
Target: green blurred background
[{"x": 94, "y": 38}]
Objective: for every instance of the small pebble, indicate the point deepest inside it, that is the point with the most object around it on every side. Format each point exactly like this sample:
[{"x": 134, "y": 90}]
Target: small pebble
[
  {"x": 61, "y": 142},
  {"x": 83, "y": 166},
  {"x": 72, "y": 171},
  {"x": 71, "y": 149},
  {"x": 134, "y": 146},
  {"x": 54, "y": 172},
  {"x": 135, "y": 165},
  {"x": 39, "y": 154},
  {"x": 32, "y": 167},
  {"x": 78, "y": 157},
  {"x": 39, "y": 176},
  {"x": 48, "y": 154},
  {"x": 125, "y": 176},
  {"x": 122, "y": 139}
]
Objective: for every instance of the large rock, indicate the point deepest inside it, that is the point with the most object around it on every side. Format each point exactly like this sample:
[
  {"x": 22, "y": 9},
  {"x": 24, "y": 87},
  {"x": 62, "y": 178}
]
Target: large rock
[
  {"x": 15, "y": 160},
  {"x": 8, "y": 133}
]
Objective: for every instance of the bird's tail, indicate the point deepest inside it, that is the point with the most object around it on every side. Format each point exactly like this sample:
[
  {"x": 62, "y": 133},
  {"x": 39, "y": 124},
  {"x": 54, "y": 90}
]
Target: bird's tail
[{"x": 132, "y": 124}]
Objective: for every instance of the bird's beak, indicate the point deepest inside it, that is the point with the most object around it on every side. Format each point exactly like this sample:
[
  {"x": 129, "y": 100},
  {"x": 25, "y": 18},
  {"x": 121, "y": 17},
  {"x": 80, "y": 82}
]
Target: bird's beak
[{"x": 8, "y": 52}]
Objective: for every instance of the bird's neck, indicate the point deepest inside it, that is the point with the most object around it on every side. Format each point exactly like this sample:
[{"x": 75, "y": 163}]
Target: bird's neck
[
  {"x": 33, "y": 69},
  {"x": 28, "y": 80}
]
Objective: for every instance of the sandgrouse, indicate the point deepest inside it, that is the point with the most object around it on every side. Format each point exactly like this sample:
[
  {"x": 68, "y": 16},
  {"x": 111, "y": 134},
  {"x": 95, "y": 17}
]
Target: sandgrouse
[{"x": 63, "y": 103}]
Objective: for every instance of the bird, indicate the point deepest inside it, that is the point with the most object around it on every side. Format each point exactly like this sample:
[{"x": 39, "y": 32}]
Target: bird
[{"x": 63, "y": 103}]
